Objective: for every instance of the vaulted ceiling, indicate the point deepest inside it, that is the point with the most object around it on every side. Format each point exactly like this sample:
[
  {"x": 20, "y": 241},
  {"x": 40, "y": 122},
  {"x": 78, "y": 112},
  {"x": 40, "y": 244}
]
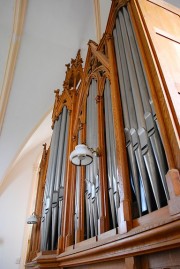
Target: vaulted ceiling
[{"x": 37, "y": 39}]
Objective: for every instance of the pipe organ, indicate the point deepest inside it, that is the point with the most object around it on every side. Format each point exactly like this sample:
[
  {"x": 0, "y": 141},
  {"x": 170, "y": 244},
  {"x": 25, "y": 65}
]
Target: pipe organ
[
  {"x": 121, "y": 210},
  {"x": 147, "y": 160},
  {"x": 54, "y": 187}
]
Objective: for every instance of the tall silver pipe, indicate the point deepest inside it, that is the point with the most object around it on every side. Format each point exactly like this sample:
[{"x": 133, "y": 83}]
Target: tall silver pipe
[
  {"x": 129, "y": 114},
  {"x": 87, "y": 208},
  {"x": 48, "y": 213},
  {"x": 111, "y": 124},
  {"x": 92, "y": 171},
  {"x": 87, "y": 172},
  {"x": 113, "y": 151},
  {"x": 60, "y": 157},
  {"x": 139, "y": 108},
  {"x": 77, "y": 197},
  {"x": 53, "y": 153},
  {"x": 63, "y": 172},
  {"x": 92, "y": 144},
  {"x": 95, "y": 167},
  {"x": 49, "y": 181},
  {"x": 60, "y": 149},
  {"x": 155, "y": 142},
  {"x": 109, "y": 163}
]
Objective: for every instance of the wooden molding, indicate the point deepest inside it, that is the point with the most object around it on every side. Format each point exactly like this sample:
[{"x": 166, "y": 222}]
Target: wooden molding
[
  {"x": 173, "y": 182},
  {"x": 167, "y": 35},
  {"x": 166, "y": 6},
  {"x": 19, "y": 18},
  {"x": 139, "y": 241}
]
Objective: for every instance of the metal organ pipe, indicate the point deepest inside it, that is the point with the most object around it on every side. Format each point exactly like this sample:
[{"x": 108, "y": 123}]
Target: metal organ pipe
[
  {"x": 63, "y": 170},
  {"x": 87, "y": 176},
  {"x": 52, "y": 159},
  {"x": 142, "y": 139},
  {"x": 95, "y": 172},
  {"x": 77, "y": 195},
  {"x": 129, "y": 112},
  {"x": 109, "y": 157},
  {"x": 54, "y": 183},
  {"x": 58, "y": 177},
  {"x": 88, "y": 168},
  {"x": 130, "y": 120},
  {"x": 113, "y": 154},
  {"x": 150, "y": 124},
  {"x": 92, "y": 170}
]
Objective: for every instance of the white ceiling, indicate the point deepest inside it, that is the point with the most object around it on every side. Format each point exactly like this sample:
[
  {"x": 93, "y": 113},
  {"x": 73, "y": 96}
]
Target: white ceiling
[
  {"x": 6, "y": 25},
  {"x": 173, "y": 2},
  {"x": 53, "y": 32}
]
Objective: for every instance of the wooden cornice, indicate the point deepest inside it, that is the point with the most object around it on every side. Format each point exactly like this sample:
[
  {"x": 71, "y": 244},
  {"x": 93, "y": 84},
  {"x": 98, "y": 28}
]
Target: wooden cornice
[
  {"x": 139, "y": 241},
  {"x": 110, "y": 246},
  {"x": 44, "y": 259}
]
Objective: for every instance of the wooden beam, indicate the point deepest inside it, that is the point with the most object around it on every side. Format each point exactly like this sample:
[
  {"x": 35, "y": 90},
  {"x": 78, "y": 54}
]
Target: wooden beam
[
  {"x": 97, "y": 11},
  {"x": 101, "y": 57}
]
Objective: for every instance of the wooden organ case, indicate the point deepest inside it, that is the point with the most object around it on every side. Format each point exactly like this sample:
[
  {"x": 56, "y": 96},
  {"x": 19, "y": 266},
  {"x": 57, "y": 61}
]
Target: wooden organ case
[{"x": 123, "y": 209}]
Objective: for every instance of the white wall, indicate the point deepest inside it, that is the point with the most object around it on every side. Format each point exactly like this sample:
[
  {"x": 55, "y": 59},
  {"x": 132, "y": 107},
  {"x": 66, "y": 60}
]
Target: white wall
[{"x": 15, "y": 203}]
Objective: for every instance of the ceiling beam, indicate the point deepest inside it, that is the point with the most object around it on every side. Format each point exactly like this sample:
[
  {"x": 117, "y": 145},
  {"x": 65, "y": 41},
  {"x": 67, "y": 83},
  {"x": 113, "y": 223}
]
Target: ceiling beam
[
  {"x": 18, "y": 24},
  {"x": 97, "y": 11}
]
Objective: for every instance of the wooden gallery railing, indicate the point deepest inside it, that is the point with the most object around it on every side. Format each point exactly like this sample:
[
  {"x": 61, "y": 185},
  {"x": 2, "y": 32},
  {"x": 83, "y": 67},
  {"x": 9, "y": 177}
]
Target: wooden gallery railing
[{"x": 126, "y": 201}]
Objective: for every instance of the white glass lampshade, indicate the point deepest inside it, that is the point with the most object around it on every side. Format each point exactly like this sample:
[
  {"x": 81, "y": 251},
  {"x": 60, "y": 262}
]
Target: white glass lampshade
[
  {"x": 32, "y": 219},
  {"x": 81, "y": 155}
]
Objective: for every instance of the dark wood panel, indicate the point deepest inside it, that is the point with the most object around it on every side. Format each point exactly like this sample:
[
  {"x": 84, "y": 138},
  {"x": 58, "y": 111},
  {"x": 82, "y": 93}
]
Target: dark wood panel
[
  {"x": 103, "y": 265},
  {"x": 169, "y": 259}
]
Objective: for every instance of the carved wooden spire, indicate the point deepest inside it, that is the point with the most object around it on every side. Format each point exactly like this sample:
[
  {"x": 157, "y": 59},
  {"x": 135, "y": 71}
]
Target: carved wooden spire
[{"x": 74, "y": 73}]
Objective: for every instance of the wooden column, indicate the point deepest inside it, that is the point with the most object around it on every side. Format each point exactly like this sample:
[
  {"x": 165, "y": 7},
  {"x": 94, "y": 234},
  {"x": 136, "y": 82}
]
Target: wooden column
[
  {"x": 80, "y": 231},
  {"x": 173, "y": 182},
  {"x": 104, "y": 218},
  {"x": 125, "y": 218},
  {"x": 133, "y": 263}
]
